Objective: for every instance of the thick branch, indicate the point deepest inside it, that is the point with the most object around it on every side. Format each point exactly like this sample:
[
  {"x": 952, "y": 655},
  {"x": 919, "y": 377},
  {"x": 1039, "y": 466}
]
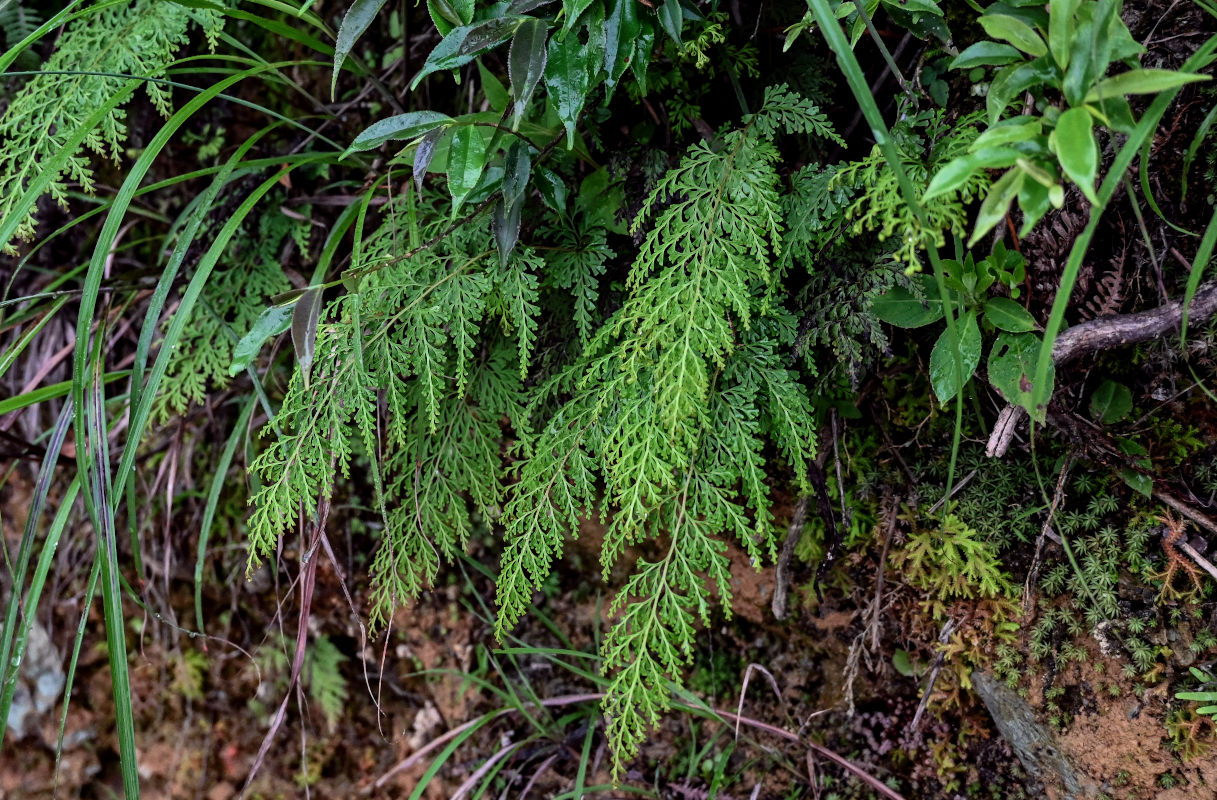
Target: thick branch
[{"x": 1106, "y": 333}]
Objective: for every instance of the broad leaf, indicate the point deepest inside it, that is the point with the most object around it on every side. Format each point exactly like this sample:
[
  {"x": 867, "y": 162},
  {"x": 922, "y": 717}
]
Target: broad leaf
[
  {"x": 621, "y": 29},
  {"x": 1111, "y": 402},
  {"x": 1012, "y": 369},
  {"x": 671, "y": 18},
  {"x": 997, "y": 203},
  {"x": 1061, "y": 30},
  {"x": 567, "y": 76},
  {"x": 1014, "y": 31},
  {"x": 1007, "y": 315},
  {"x": 450, "y": 14},
  {"x": 955, "y": 358},
  {"x": 466, "y": 43},
  {"x": 986, "y": 54},
  {"x": 270, "y": 323},
  {"x": 897, "y": 306}
]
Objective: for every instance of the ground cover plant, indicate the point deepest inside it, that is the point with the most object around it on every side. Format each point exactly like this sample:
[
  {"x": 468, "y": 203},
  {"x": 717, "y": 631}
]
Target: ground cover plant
[{"x": 597, "y": 332}]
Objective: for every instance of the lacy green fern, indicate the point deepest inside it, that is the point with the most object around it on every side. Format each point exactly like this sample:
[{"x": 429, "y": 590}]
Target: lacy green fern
[
  {"x": 671, "y": 405},
  {"x": 232, "y": 300},
  {"x": 98, "y": 57},
  {"x": 926, "y": 141}
]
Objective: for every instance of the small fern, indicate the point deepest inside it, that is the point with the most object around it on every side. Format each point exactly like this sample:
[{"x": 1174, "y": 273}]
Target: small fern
[
  {"x": 926, "y": 141},
  {"x": 231, "y": 302}
]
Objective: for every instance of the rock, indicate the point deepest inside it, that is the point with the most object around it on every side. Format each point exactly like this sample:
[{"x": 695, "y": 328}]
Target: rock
[{"x": 40, "y": 682}]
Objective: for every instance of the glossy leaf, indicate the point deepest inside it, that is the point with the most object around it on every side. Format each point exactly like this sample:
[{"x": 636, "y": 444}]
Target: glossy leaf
[
  {"x": 526, "y": 64},
  {"x": 402, "y": 126},
  {"x": 621, "y": 29},
  {"x": 1011, "y": 367},
  {"x": 517, "y": 167},
  {"x": 466, "y": 43},
  {"x": 567, "y": 79},
  {"x": 358, "y": 17},
  {"x": 466, "y": 162},
  {"x": 574, "y": 10},
  {"x": 1005, "y": 314},
  {"x": 951, "y": 355},
  {"x": 1075, "y": 147}
]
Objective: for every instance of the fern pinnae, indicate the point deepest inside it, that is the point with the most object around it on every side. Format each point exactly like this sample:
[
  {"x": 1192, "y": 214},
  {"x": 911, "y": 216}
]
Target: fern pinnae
[{"x": 95, "y": 52}]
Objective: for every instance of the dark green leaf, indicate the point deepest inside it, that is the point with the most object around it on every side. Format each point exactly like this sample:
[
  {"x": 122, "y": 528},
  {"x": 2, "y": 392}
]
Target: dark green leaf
[
  {"x": 506, "y": 225},
  {"x": 402, "y": 126},
  {"x": 516, "y": 170},
  {"x": 1139, "y": 481},
  {"x": 574, "y": 10},
  {"x": 951, "y": 354},
  {"x": 1011, "y": 367},
  {"x": 526, "y": 64},
  {"x": 466, "y": 43},
  {"x": 567, "y": 78},
  {"x": 621, "y": 29},
  {"x": 358, "y": 17},
  {"x": 899, "y": 307},
  {"x": 672, "y": 18},
  {"x": 1111, "y": 402}
]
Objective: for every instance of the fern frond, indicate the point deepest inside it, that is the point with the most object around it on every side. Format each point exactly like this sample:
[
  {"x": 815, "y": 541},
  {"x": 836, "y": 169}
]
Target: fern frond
[
  {"x": 675, "y": 398},
  {"x": 787, "y": 110},
  {"x": 137, "y": 39},
  {"x": 323, "y": 676}
]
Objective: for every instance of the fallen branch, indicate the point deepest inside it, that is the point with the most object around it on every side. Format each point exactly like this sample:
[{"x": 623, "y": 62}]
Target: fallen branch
[{"x": 1107, "y": 333}]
